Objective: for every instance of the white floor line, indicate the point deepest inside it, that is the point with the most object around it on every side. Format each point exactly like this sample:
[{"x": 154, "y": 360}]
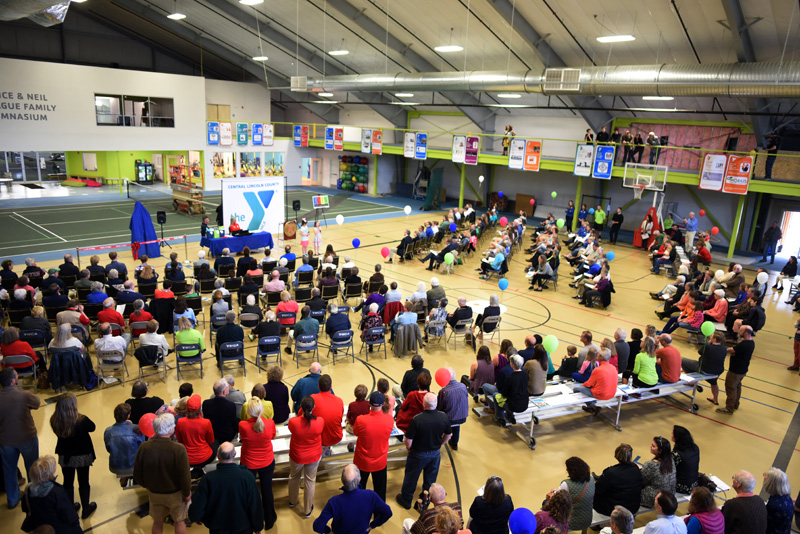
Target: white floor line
[{"x": 40, "y": 227}]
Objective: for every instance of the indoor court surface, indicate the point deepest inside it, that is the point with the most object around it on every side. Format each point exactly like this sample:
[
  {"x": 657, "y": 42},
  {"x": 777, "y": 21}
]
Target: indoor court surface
[{"x": 761, "y": 434}]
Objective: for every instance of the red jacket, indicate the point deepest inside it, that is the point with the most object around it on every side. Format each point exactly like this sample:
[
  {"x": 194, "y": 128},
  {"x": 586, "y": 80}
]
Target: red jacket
[
  {"x": 412, "y": 405},
  {"x": 196, "y": 435},
  {"x": 110, "y": 315},
  {"x": 256, "y": 447},
  {"x": 603, "y": 381},
  {"x": 18, "y": 348},
  {"x": 373, "y": 431},
  {"x": 330, "y": 408},
  {"x": 305, "y": 446}
]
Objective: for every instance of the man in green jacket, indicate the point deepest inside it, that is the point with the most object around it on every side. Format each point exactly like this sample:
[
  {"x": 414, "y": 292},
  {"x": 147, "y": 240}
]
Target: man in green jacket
[{"x": 599, "y": 221}]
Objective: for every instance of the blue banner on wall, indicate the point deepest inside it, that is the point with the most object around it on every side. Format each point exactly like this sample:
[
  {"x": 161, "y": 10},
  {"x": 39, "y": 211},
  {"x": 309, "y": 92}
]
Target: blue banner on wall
[
  {"x": 257, "y": 136},
  {"x": 298, "y": 135},
  {"x": 421, "y": 146},
  {"x": 213, "y": 133},
  {"x": 328, "y": 138},
  {"x": 603, "y": 162}
]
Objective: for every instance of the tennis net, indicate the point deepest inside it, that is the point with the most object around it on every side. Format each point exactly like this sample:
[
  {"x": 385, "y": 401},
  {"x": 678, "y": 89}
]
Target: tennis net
[{"x": 159, "y": 197}]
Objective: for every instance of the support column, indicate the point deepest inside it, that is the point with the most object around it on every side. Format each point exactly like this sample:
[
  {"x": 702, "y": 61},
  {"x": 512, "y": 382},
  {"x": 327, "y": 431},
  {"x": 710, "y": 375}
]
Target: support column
[
  {"x": 375, "y": 177},
  {"x": 753, "y": 221},
  {"x": 578, "y": 193},
  {"x": 736, "y": 224},
  {"x": 463, "y": 181}
]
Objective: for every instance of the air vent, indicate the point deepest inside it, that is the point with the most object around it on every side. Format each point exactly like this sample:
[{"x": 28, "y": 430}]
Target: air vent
[
  {"x": 300, "y": 84},
  {"x": 560, "y": 80}
]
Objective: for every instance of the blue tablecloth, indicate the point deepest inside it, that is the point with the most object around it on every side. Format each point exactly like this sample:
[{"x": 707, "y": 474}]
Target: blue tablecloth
[{"x": 237, "y": 244}]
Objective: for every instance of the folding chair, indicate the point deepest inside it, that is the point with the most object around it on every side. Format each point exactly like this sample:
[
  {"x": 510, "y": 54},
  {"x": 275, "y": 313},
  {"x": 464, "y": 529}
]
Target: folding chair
[
  {"x": 51, "y": 313},
  {"x": 149, "y": 353},
  {"x": 305, "y": 278},
  {"x": 378, "y": 331},
  {"x": 310, "y": 345},
  {"x": 98, "y": 277},
  {"x": 302, "y": 294},
  {"x": 16, "y": 359},
  {"x": 342, "y": 341},
  {"x": 196, "y": 304},
  {"x": 69, "y": 280},
  {"x": 15, "y": 317},
  {"x": 273, "y": 298},
  {"x": 330, "y": 293},
  {"x": 493, "y": 320},
  {"x": 207, "y": 285},
  {"x": 319, "y": 315},
  {"x": 268, "y": 266},
  {"x": 91, "y": 311},
  {"x": 106, "y": 362},
  {"x": 83, "y": 292},
  {"x": 351, "y": 291},
  {"x": 216, "y": 322},
  {"x": 285, "y": 278},
  {"x": 286, "y": 315},
  {"x": 269, "y": 346},
  {"x": 195, "y": 357},
  {"x": 500, "y": 271},
  {"x": 81, "y": 334},
  {"x": 233, "y": 284},
  {"x": 435, "y": 324},
  {"x": 462, "y": 327},
  {"x": 226, "y": 270},
  {"x": 137, "y": 325},
  {"x": 291, "y": 265},
  {"x": 232, "y": 351},
  {"x": 178, "y": 288},
  {"x": 248, "y": 320},
  {"x": 148, "y": 291},
  {"x": 36, "y": 339},
  {"x": 346, "y": 273}
]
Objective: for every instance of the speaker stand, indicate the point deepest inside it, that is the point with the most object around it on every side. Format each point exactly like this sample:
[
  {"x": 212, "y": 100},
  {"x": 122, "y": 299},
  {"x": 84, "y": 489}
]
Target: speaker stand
[{"x": 162, "y": 243}]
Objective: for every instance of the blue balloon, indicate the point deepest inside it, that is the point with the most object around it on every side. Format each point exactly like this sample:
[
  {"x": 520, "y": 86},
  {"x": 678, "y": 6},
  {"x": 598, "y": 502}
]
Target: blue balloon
[
  {"x": 503, "y": 284},
  {"x": 500, "y": 194},
  {"x": 453, "y": 227},
  {"x": 610, "y": 255},
  {"x": 522, "y": 521},
  {"x": 591, "y": 211},
  {"x": 356, "y": 243}
]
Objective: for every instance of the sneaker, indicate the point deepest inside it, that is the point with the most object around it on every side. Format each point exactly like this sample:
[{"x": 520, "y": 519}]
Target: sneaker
[
  {"x": 309, "y": 513},
  {"x": 793, "y": 368},
  {"x": 723, "y": 410}
]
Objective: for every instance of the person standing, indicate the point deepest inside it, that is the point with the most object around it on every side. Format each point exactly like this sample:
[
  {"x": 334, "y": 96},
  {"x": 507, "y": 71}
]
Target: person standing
[
  {"x": 221, "y": 412},
  {"x": 372, "y": 446},
  {"x": 226, "y": 500},
  {"x": 654, "y": 144},
  {"x": 588, "y": 137},
  {"x": 308, "y": 385},
  {"x": 508, "y": 135},
  {"x": 691, "y": 230},
  {"x": 638, "y": 149},
  {"x": 772, "y": 154},
  {"x": 745, "y": 513},
  {"x": 305, "y": 452},
  {"x": 330, "y": 409},
  {"x": 739, "y": 363},
  {"x": 771, "y": 238},
  {"x": 627, "y": 145},
  {"x": 453, "y": 400},
  {"x": 426, "y": 434},
  {"x": 256, "y": 434},
  {"x": 616, "y": 224},
  {"x": 352, "y": 511},
  {"x": 17, "y": 432},
  {"x": 75, "y": 450}
]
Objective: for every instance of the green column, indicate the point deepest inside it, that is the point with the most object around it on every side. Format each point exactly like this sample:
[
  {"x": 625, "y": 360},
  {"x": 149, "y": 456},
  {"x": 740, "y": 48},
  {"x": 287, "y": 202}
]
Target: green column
[
  {"x": 578, "y": 192},
  {"x": 754, "y": 221},
  {"x": 736, "y": 223},
  {"x": 375, "y": 176},
  {"x": 463, "y": 181}
]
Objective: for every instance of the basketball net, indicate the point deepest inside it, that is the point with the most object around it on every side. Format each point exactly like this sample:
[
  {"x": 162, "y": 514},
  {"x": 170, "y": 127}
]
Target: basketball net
[{"x": 638, "y": 191}]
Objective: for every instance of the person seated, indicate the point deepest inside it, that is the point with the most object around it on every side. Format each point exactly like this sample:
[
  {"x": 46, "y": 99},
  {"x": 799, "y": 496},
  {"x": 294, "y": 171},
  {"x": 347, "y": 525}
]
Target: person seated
[
  {"x": 83, "y": 281},
  {"x": 360, "y": 406},
  {"x": 122, "y": 440},
  {"x": 438, "y": 313},
  {"x": 316, "y": 303},
  {"x": 435, "y": 293},
  {"x": 147, "y": 275},
  {"x": 489, "y": 513},
  {"x": 669, "y": 361},
  {"x": 619, "y": 484},
  {"x": 732, "y": 281},
  {"x": 645, "y": 374},
  {"x": 187, "y": 335},
  {"x": 197, "y": 435},
  {"x": 406, "y": 317},
  {"x": 493, "y": 262},
  {"x": 514, "y": 391},
  {"x": 462, "y": 313},
  {"x": 7, "y": 274},
  {"x": 219, "y": 306},
  {"x": 436, "y": 259},
  {"x": 589, "y": 364},
  {"x": 277, "y": 393},
  {"x": 658, "y": 473},
  {"x": 393, "y": 295},
  {"x": 543, "y": 273},
  {"x": 690, "y": 318},
  {"x": 375, "y": 279},
  {"x": 36, "y": 321},
  {"x": 109, "y": 342},
  {"x": 224, "y": 259},
  {"x": 248, "y": 287},
  {"x": 151, "y": 337},
  {"x": 97, "y": 295},
  {"x": 254, "y": 269},
  {"x": 666, "y": 505},
  {"x": 274, "y": 283},
  {"x": 305, "y": 326},
  {"x": 94, "y": 268},
  {"x": 115, "y": 281},
  {"x": 304, "y": 267},
  {"x": 234, "y": 226},
  {"x": 336, "y": 320},
  {"x": 219, "y": 285},
  {"x": 269, "y": 327},
  {"x": 140, "y": 403},
  {"x": 328, "y": 279},
  {"x": 229, "y": 332},
  {"x": 378, "y": 298},
  {"x": 602, "y": 383},
  {"x": 402, "y": 248},
  {"x": 676, "y": 304},
  {"x": 442, "y": 517},
  {"x": 250, "y": 306},
  {"x": 259, "y": 392},
  {"x": 182, "y": 309},
  {"x": 20, "y": 301},
  {"x": 287, "y": 305},
  {"x": 54, "y": 298},
  {"x": 12, "y": 345},
  {"x": 109, "y": 314},
  {"x": 703, "y": 515},
  {"x": 174, "y": 271},
  {"x": 128, "y": 294},
  {"x": 33, "y": 273},
  {"x": 668, "y": 258},
  {"x": 201, "y": 260},
  {"x": 789, "y": 271},
  {"x": 46, "y": 503},
  {"x": 371, "y": 320}
]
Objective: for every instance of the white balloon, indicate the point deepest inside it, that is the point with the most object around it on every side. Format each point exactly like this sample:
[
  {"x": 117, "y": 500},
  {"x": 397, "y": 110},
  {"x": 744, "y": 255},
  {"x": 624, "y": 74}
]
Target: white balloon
[
  {"x": 480, "y": 178},
  {"x": 340, "y": 219},
  {"x": 407, "y": 210},
  {"x": 762, "y": 278},
  {"x": 719, "y": 274}
]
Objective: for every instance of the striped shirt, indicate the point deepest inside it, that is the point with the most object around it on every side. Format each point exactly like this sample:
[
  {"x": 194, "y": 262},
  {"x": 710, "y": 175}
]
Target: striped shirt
[{"x": 454, "y": 401}]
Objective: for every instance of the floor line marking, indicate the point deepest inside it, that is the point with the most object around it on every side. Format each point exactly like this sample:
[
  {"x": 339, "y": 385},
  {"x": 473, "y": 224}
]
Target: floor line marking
[{"x": 40, "y": 227}]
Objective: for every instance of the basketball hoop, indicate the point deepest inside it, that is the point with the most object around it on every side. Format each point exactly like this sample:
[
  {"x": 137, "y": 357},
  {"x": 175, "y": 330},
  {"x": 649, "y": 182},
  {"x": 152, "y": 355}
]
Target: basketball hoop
[{"x": 638, "y": 190}]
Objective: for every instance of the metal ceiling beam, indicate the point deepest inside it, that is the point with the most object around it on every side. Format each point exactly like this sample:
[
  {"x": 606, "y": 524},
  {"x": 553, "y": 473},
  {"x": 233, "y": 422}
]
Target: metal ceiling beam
[
  {"x": 327, "y": 112},
  {"x": 746, "y": 53},
  {"x": 288, "y": 45},
  {"x": 482, "y": 117},
  {"x": 595, "y": 119}
]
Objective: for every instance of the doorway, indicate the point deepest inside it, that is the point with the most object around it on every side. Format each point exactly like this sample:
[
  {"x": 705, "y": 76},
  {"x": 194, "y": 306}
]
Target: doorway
[
  {"x": 311, "y": 171},
  {"x": 790, "y": 226}
]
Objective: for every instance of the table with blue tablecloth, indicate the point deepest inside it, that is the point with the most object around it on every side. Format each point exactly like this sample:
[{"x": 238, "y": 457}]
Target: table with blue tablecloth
[{"x": 237, "y": 244}]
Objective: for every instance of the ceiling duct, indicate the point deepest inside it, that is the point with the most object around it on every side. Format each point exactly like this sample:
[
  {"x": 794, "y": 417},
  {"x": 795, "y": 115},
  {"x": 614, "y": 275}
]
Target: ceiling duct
[
  {"x": 734, "y": 80},
  {"x": 43, "y": 12}
]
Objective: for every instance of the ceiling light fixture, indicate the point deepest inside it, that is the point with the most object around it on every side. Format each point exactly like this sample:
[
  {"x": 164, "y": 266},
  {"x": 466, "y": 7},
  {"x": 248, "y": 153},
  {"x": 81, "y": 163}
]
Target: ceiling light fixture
[
  {"x": 260, "y": 58},
  {"x": 615, "y": 38},
  {"x": 658, "y": 98},
  {"x": 327, "y": 101},
  {"x": 449, "y": 47},
  {"x": 77, "y": 1},
  {"x": 509, "y": 106},
  {"x": 325, "y": 94},
  {"x": 404, "y": 95},
  {"x": 407, "y": 103},
  {"x": 339, "y": 52},
  {"x": 176, "y": 15},
  {"x": 509, "y": 95},
  {"x": 251, "y": 2}
]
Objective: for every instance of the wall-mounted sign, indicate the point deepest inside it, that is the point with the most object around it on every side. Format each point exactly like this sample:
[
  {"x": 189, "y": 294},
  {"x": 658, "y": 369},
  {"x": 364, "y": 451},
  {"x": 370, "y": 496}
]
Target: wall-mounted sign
[
  {"x": 241, "y": 133},
  {"x": 421, "y": 146},
  {"x": 533, "y": 154},
  {"x": 584, "y": 155},
  {"x": 377, "y": 142},
  {"x": 225, "y": 133},
  {"x": 409, "y": 140},
  {"x": 603, "y": 162},
  {"x": 257, "y": 137},
  {"x": 212, "y": 135},
  {"x": 713, "y": 172},
  {"x": 737, "y": 177},
  {"x": 473, "y": 147},
  {"x": 338, "y": 139}
]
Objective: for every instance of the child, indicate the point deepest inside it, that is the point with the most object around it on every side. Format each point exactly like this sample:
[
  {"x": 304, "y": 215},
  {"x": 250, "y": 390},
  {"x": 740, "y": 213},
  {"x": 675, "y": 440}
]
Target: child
[
  {"x": 358, "y": 407},
  {"x": 304, "y": 235},
  {"x": 317, "y": 237},
  {"x": 383, "y": 387},
  {"x": 588, "y": 366}
]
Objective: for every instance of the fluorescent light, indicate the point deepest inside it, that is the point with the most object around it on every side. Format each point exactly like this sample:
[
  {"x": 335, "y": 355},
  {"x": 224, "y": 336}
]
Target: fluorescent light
[
  {"x": 615, "y": 38},
  {"x": 260, "y": 58},
  {"x": 176, "y": 16},
  {"x": 449, "y": 48},
  {"x": 658, "y": 98},
  {"x": 509, "y": 106},
  {"x": 339, "y": 52},
  {"x": 324, "y": 94},
  {"x": 77, "y": 1},
  {"x": 509, "y": 95},
  {"x": 251, "y": 2},
  {"x": 404, "y": 95},
  {"x": 407, "y": 103},
  {"x": 327, "y": 102}
]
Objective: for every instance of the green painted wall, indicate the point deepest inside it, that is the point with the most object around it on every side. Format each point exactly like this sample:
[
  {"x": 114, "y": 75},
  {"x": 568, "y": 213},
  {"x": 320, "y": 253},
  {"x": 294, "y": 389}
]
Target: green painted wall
[{"x": 118, "y": 164}]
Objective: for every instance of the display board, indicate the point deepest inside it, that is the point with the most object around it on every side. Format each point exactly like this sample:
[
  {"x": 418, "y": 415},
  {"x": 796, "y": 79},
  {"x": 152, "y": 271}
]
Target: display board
[
  {"x": 338, "y": 139},
  {"x": 737, "y": 176},
  {"x": 473, "y": 148},
  {"x": 603, "y": 162},
  {"x": 320, "y": 202},
  {"x": 516, "y": 154},
  {"x": 212, "y": 136},
  {"x": 459, "y": 148},
  {"x": 409, "y": 139},
  {"x": 713, "y": 172},
  {"x": 377, "y": 142},
  {"x": 241, "y": 133},
  {"x": 256, "y": 203},
  {"x": 366, "y": 140},
  {"x": 421, "y": 146},
  {"x": 533, "y": 154},
  {"x": 225, "y": 133},
  {"x": 584, "y": 157},
  {"x": 329, "y": 138},
  {"x": 257, "y": 137},
  {"x": 269, "y": 134}
]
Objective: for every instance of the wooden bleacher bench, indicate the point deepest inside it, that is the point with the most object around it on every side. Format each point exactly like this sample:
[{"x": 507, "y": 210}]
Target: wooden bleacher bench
[{"x": 559, "y": 400}]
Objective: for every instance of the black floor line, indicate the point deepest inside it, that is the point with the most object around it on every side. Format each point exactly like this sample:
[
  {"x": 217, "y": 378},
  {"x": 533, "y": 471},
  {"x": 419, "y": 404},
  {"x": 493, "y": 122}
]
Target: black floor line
[{"x": 788, "y": 445}]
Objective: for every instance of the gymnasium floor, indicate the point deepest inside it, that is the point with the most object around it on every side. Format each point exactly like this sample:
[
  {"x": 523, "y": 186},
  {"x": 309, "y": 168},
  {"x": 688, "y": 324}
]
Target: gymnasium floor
[{"x": 762, "y": 433}]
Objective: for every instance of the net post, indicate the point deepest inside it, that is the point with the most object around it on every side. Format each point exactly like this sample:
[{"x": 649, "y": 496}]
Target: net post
[
  {"x": 78, "y": 256},
  {"x": 185, "y": 246}
]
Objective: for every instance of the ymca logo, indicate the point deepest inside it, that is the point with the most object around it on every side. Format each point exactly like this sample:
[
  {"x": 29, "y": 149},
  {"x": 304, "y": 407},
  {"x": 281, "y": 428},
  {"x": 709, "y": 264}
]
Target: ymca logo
[{"x": 255, "y": 203}]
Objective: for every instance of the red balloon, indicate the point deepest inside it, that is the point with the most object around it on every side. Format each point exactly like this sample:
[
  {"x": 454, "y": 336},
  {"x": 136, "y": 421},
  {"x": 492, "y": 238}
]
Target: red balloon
[
  {"x": 385, "y": 252},
  {"x": 503, "y": 221},
  {"x": 715, "y": 230},
  {"x": 146, "y": 424},
  {"x": 702, "y": 213},
  {"x": 533, "y": 201},
  {"x": 442, "y": 376}
]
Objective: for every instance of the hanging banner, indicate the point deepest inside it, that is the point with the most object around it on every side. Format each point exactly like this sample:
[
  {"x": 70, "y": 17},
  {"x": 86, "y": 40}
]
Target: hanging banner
[
  {"x": 298, "y": 134},
  {"x": 737, "y": 177},
  {"x": 377, "y": 142},
  {"x": 473, "y": 148},
  {"x": 603, "y": 162},
  {"x": 257, "y": 138},
  {"x": 329, "y": 138},
  {"x": 421, "y": 146},
  {"x": 584, "y": 155},
  {"x": 516, "y": 154},
  {"x": 409, "y": 140},
  {"x": 269, "y": 134},
  {"x": 338, "y": 139},
  {"x": 212, "y": 135},
  {"x": 241, "y": 133},
  {"x": 533, "y": 154},
  {"x": 366, "y": 140},
  {"x": 713, "y": 171},
  {"x": 225, "y": 133},
  {"x": 304, "y": 136},
  {"x": 459, "y": 148}
]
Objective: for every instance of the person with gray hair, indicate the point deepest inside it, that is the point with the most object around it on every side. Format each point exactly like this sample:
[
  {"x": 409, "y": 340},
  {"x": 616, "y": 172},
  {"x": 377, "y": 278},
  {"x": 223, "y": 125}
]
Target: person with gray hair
[
  {"x": 462, "y": 313},
  {"x": 621, "y": 522},
  {"x": 274, "y": 284},
  {"x": 128, "y": 294},
  {"x": 20, "y": 302},
  {"x": 336, "y": 320},
  {"x": 219, "y": 285},
  {"x": 513, "y": 388},
  {"x": 453, "y": 400},
  {"x": 738, "y": 365},
  {"x": 425, "y": 435},
  {"x": 228, "y": 499},
  {"x": 436, "y": 496},
  {"x": 745, "y": 513},
  {"x": 229, "y": 332},
  {"x": 97, "y": 295},
  {"x": 435, "y": 293},
  {"x": 109, "y": 342},
  {"x": 234, "y": 395},
  {"x": 201, "y": 260},
  {"x": 602, "y": 383},
  {"x": 668, "y": 358},
  {"x": 492, "y": 310},
  {"x": 222, "y": 412},
  {"x": 162, "y": 468},
  {"x": 355, "y": 510},
  {"x": 306, "y": 386},
  {"x": 780, "y": 507},
  {"x": 224, "y": 259},
  {"x": 622, "y": 349}
]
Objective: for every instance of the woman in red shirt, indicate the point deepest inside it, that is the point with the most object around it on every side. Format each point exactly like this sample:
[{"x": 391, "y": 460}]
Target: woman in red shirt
[
  {"x": 234, "y": 227},
  {"x": 10, "y": 345},
  {"x": 305, "y": 452},
  {"x": 139, "y": 316},
  {"x": 197, "y": 435},
  {"x": 412, "y": 405},
  {"x": 287, "y": 305},
  {"x": 256, "y": 434}
]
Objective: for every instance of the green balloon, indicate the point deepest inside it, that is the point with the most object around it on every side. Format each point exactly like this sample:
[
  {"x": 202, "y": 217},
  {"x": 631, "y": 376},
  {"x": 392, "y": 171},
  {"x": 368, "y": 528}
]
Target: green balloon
[
  {"x": 708, "y": 328},
  {"x": 553, "y": 194},
  {"x": 550, "y": 343},
  {"x": 448, "y": 258},
  {"x": 560, "y": 223}
]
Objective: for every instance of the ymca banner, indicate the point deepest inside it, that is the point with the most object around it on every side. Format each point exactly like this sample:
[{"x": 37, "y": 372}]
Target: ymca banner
[
  {"x": 713, "y": 171},
  {"x": 257, "y": 137},
  {"x": 256, "y": 203},
  {"x": 269, "y": 134},
  {"x": 533, "y": 154},
  {"x": 737, "y": 177},
  {"x": 377, "y": 142}
]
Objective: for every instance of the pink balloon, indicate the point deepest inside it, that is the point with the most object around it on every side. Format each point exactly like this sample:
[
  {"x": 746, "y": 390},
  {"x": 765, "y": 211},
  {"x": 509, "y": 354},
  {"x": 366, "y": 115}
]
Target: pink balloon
[
  {"x": 503, "y": 221},
  {"x": 385, "y": 252},
  {"x": 146, "y": 424},
  {"x": 533, "y": 201},
  {"x": 474, "y": 240}
]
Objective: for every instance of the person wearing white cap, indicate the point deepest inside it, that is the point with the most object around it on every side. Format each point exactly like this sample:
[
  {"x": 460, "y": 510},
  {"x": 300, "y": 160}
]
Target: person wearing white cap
[{"x": 654, "y": 144}]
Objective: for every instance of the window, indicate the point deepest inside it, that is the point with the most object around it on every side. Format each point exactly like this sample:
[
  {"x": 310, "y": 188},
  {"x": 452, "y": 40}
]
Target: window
[{"x": 127, "y": 110}]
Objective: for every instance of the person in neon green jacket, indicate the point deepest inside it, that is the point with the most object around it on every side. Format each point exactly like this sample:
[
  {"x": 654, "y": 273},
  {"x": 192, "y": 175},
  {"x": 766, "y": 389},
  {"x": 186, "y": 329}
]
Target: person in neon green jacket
[
  {"x": 599, "y": 220},
  {"x": 644, "y": 367}
]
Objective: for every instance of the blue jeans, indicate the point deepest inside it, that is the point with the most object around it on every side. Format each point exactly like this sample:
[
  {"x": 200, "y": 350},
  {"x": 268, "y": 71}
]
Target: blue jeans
[
  {"x": 585, "y": 391},
  {"x": 658, "y": 263},
  {"x": 770, "y": 247},
  {"x": 10, "y": 457},
  {"x": 490, "y": 390},
  {"x": 416, "y": 463},
  {"x": 768, "y": 167},
  {"x": 456, "y": 425}
]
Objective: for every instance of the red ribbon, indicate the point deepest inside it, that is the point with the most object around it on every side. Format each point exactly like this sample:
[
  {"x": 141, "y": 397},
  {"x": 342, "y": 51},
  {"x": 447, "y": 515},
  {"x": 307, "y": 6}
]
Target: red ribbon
[{"x": 135, "y": 249}]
